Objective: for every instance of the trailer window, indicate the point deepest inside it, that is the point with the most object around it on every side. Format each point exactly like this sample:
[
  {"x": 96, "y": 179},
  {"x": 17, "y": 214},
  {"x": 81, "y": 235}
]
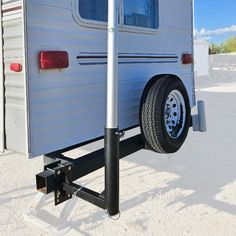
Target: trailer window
[
  {"x": 93, "y": 9},
  {"x": 141, "y": 13}
]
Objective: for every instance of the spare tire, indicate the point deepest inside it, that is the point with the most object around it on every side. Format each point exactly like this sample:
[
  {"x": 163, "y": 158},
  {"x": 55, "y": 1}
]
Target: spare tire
[{"x": 165, "y": 115}]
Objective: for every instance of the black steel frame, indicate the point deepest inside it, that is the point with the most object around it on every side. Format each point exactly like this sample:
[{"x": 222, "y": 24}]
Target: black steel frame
[{"x": 60, "y": 172}]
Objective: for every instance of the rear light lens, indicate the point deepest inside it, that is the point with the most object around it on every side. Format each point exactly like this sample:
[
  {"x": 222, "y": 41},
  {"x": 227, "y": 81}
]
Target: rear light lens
[
  {"x": 16, "y": 67},
  {"x": 53, "y": 60},
  {"x": 187, "y": 59}
]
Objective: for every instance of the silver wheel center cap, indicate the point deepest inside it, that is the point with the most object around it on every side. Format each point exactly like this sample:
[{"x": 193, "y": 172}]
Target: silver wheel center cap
[{"x": 175, "y": 114}]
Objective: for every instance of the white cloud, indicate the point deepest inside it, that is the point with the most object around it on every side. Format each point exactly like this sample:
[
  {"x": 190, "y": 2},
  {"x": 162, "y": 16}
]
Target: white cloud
[
  {"x": 209, "y": 33},
  {"x": 207, "y": 38}
]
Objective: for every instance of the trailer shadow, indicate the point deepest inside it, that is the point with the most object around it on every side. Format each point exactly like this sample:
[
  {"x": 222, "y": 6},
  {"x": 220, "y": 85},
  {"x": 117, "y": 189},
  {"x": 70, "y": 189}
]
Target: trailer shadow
[
  {"x": 205, "y": 185},
  {"x": 206, "y": 163}
]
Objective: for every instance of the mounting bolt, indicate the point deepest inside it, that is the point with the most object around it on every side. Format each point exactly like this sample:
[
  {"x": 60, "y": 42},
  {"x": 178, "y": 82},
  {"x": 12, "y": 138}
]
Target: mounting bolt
[
  {"x": 58, "y": 200},
  {"x": 120, "y": 134},
  {"x": 58, "y": 193},
  {"x": 69, "y": 195},
  {"x": 69, "y": 168},
  {"x": 58, "y": 172}
]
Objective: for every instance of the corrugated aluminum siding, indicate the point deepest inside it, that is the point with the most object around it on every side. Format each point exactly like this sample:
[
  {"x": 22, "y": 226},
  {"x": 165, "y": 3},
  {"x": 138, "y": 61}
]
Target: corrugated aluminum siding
[
  {"x": 68, "y": 106},
  {"x": 14, "y": 82}
]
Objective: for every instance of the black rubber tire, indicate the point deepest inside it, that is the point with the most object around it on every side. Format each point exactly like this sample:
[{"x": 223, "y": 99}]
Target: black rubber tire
[{"x": 152, "y": 115}]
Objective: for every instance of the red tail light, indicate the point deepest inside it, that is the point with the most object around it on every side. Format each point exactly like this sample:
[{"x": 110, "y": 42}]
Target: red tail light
[
  {"x": 16, "y": 67},
  {"x": 53, "y": 60},
  {"x": 187, "y": 59}
]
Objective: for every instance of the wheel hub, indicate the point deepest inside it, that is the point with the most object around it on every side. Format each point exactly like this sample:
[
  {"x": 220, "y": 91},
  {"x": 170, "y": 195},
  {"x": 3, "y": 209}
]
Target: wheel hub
[{"x": 175, "y": 114}]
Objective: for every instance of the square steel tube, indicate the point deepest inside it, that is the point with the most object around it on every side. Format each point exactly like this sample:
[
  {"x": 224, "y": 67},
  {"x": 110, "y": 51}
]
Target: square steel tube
[{"x": 45, "y": 181}]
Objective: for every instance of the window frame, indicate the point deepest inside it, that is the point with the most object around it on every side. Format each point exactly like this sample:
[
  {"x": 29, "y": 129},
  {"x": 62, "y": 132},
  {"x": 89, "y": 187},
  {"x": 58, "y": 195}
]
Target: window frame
[{"x": 122, "y": 27}]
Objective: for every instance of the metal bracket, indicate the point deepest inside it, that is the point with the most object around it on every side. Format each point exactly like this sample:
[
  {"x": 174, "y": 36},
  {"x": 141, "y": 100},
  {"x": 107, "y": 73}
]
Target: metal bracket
[
  {"x": 62, "y": 175},
  {"x": 52, "y": 179}
]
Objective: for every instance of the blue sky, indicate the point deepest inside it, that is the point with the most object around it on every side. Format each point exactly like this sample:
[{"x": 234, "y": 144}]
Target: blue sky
[{"x": 217, "y": 18}]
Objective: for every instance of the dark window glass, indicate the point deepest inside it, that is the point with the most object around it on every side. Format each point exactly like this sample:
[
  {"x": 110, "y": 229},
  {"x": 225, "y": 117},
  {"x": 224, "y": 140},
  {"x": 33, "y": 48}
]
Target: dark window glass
[
  {"x": 93, "y": 9},
  {"x": 142, "y": 13}
]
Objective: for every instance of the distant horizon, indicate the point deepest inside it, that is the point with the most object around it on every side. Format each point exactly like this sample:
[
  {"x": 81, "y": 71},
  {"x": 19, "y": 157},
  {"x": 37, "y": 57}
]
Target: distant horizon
[{"x": 215, "y": 22}]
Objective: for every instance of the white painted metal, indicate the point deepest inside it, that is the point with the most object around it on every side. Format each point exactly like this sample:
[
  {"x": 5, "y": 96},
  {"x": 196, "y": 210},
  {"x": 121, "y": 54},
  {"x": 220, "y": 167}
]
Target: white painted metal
[
  {"x": 175, "y": 114},
  {"x": 112, "y": 65},
  {"x": 15, "y": 106},
  {"x": 201, "y": 57},
  {"x": 66, "y": 107}
]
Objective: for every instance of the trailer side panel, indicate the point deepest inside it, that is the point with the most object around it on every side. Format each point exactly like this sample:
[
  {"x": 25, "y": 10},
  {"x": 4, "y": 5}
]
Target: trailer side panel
[{"x": 67, "y": 106}]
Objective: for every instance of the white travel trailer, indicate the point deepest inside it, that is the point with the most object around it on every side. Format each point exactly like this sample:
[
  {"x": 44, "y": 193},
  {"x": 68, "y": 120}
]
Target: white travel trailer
[
  {"x": 54, "y": 62},
  {"x": 58, "y": 76}
]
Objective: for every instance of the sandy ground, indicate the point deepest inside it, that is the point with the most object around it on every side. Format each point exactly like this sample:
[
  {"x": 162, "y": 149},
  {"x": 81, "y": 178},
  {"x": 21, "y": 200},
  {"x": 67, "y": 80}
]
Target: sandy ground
[{"x": 192, "y": 192}]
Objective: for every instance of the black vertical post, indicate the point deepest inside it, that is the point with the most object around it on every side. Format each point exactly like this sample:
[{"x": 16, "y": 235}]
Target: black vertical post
[{"x": 112, "y": 171}]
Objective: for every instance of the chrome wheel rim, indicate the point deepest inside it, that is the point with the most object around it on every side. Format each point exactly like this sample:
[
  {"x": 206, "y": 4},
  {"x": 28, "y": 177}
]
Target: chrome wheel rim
[{"x": 175, "y": 114}]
